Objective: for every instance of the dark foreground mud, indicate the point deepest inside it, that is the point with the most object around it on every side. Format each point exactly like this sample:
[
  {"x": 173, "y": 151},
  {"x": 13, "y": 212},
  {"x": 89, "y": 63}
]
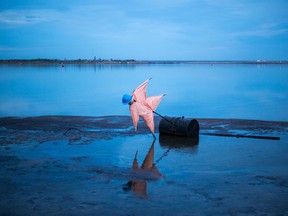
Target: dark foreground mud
[
  {"x": 63, "y": 165},
  {"x": 47, "y": 128}
]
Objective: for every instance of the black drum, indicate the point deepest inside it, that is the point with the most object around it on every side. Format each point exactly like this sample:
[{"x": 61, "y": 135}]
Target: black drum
[{"x": 179, "y": 126}]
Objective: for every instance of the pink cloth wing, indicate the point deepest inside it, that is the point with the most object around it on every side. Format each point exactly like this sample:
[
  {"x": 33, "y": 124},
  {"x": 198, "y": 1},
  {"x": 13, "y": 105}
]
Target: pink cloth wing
[
  {"x": 154, "y": 101},
  {"x": 138, "y": 109},
  {"x": 139, "y": 94},
  {"x": 151, "y": 105},
  {"x": 143, "y": 106},
  {"x": 149, "y": 120},
  {"x": 134, "y": 114}
]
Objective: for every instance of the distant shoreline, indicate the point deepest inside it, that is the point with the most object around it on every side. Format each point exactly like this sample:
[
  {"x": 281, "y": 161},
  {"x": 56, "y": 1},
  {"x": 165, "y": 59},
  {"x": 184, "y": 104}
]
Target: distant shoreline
[{"x": 128, "y": 61}]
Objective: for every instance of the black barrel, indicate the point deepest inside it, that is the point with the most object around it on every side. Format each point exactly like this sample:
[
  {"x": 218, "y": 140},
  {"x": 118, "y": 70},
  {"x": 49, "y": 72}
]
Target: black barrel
[{"x": 179, "y": 126}]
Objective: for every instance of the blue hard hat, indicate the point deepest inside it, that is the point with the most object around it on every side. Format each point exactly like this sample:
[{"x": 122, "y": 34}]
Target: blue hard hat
[{"x": 126, "y": 98}]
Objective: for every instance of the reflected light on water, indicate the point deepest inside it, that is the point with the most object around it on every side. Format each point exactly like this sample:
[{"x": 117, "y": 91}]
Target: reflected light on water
[{"x": 197, "y": 91}]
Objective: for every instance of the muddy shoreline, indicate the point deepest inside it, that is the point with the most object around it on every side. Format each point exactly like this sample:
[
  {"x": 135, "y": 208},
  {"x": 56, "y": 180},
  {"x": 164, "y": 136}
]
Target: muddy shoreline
[
  {"x": 75, "y": 165},
  {"x": 107, "y": 127}
]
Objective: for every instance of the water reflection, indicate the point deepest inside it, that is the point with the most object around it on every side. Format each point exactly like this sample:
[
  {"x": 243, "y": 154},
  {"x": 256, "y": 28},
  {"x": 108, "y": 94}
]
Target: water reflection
[
  {"x": 176, "y": 142},
  {"x": 147, "y": 172}
]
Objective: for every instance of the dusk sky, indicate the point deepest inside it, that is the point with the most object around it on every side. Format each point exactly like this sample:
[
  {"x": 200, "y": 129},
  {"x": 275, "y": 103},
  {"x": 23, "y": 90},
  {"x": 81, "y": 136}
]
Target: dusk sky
[{"x": 144, "y": 30}]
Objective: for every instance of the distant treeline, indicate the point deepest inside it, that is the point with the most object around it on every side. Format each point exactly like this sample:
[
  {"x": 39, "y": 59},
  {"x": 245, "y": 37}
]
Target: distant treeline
[
  {"x": 129, "y": 61},
  {"x": 57, "y": 61}
]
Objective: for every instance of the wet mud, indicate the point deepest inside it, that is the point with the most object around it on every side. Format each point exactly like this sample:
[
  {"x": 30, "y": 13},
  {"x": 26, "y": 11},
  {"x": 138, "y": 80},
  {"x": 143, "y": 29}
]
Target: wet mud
[
  {"x": 65, "y": 165},
  {"x": 87, "y": 129}
]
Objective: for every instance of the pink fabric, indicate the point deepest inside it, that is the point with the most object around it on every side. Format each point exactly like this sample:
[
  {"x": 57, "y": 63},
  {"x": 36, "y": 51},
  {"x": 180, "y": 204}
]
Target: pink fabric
[{"x": 144, "y": 106}]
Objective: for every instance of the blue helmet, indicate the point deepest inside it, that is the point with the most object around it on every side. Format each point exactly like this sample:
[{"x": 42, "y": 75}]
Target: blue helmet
[{"x": 126, "y": 99}]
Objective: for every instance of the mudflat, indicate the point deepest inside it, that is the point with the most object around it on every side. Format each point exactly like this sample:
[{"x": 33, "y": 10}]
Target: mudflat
[
  {"x": 75, "y": 165},
  {"x": 45, "y": 128}
]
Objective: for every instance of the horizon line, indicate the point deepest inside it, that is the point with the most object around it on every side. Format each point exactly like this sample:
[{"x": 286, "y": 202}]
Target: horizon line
[{"x": 135, "y": 60}]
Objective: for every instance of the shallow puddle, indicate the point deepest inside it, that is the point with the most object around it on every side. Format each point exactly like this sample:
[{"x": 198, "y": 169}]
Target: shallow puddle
[{"x": 133, "y": 175}]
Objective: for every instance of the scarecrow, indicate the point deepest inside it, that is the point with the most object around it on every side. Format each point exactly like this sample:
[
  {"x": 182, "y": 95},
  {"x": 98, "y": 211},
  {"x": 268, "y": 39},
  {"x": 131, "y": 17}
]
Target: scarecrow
[{"x": 142, "y": 106}]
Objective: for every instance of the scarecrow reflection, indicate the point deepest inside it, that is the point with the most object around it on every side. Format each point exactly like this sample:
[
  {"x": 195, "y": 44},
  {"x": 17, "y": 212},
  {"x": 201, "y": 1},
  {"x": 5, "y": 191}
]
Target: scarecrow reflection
[{"x": 147, "y": 172}]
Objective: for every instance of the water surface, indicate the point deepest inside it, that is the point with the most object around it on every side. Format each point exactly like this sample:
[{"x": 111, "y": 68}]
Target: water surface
[
  {"x": 219, "y": 176},
  {"x": 200, "y": 91}
]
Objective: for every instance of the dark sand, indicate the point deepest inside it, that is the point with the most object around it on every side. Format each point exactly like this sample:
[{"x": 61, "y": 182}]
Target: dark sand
[
  {"x": 64, "y": 165},
  {"x": 38, "y": 129}
]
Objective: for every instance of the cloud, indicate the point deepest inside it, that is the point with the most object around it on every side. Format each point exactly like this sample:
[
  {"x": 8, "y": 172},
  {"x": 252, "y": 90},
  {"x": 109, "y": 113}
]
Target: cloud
[
  {"x": 264, "y": 30},
  {"x": 132, "y": 28}
]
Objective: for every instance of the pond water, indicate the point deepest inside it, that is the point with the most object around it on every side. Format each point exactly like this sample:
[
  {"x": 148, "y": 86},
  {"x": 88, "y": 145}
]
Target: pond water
[{"x": 197, "y": 90}]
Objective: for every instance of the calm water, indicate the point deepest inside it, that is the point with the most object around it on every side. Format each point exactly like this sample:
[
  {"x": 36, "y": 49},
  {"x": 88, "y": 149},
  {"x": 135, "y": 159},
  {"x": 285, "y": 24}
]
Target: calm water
[{"x": 200, "y": 91}]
